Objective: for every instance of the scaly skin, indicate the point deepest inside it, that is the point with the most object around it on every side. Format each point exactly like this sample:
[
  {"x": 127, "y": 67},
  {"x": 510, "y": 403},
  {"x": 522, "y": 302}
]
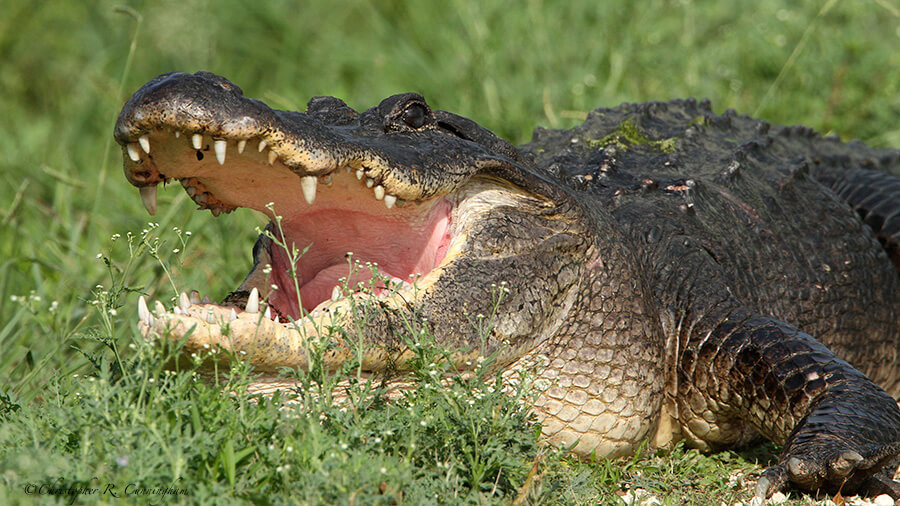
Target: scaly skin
[{"x": 662, "y": 272}]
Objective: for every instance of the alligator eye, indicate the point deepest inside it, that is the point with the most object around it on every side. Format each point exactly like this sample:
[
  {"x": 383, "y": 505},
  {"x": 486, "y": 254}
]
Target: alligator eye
[{"x": 414, "y": 115}]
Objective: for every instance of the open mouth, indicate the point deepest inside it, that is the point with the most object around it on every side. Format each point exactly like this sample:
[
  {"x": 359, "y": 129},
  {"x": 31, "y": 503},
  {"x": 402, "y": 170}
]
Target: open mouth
[{"x": 332, "y": 235}]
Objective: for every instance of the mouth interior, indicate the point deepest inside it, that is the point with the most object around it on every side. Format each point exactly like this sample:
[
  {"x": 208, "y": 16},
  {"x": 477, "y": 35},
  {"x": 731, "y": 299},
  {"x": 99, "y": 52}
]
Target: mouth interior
[
  {"x": 349, "y": 214},
  {"x": 399, "y": 243}
]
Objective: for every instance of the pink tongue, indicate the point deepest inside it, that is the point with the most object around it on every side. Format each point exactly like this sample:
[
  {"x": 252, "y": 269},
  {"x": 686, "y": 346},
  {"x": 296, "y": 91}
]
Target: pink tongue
[
  {"x": 401, "y": 241},
  {"x": 320, "y": 287}
]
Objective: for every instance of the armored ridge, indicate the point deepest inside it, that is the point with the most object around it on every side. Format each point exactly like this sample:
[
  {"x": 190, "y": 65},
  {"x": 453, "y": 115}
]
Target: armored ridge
[{"x": 667, "y": 273}]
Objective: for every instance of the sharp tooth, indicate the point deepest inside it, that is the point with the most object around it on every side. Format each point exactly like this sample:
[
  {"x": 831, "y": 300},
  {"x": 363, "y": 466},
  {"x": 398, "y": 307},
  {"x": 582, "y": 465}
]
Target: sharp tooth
[
  {"x": 148, "y": 197},
  {"x": 143, "y": 310},
  {"x": 336, "y": 293},
  {"x": 159, "y": 309},
  {"x": 370, "y": 182},
  {"x": 219, "y": 145},
  {"x": 268, "y": 313},
  {"x": 177, "y": 133},
  {"x": 276, "y": 319},
  {"x": 379, "y": 192},
  {"x": 194, "y": 297},
  {"x": 359, "y": 174},
  {"x": 211, "y": 317},
  {"x": 327, "y": 180},
  {"x": 150, "y": 320},
  {"x": 241, "y": 145},
  {"x": 177, "y": 310},
  {"x": 272, "y": 157},
  {"x": 184, "y": 302},
  {"x": 348, "y": 169},
  {"x": 252, "y": 302},
  {"x": 262, "y": 146},
  {"x": 145, "y": 143},
  {"x": 390, "y": 200},
  {"x": 133, "y": 152},
  {"x": 232, "y": 316},
  {"x": 197, "y": 141},
  {"x": 308, "y": 185},
  {"x": 205, "y": 300}
]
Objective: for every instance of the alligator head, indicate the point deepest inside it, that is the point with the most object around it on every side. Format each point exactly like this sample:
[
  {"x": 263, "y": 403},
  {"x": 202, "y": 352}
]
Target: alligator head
[{"x": 434, "y": 203}]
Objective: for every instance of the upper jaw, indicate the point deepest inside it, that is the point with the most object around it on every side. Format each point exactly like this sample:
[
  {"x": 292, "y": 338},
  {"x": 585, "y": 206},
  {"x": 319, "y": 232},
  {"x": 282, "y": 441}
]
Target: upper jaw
[{"x": 216, "y": 120}]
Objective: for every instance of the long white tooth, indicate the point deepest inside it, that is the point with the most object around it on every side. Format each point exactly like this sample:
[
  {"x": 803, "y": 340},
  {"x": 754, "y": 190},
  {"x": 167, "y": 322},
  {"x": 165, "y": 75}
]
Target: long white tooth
[
  {"x": 148, "y": 197},
  {"x": 133, "y": 152},
  {"x": 252, "y": 302},
  {"x": 219, "y": 145},
  {"x": 308, "y": 185},
  {"x": 370, "y": 182},
  {"x": 232, "y": 316},
  {"x": 268, "y": 313},
  {"x": 272, "y": 157},
  {"x": 143, "y": 310},
  {"x": 159, "y": 309},
  {"x": 145, "y": 143},
  {"x": 197, "y": 141},
  {"x": 194, "y": 297},
  {"x": 379, "y": 192},
  {"x": 151, "y": 320},
  {"x": 336, "y": 293},
  {"x": 177, "y": 133},
  {"x": 390, "y": 200},
  {"x": 262, "y": 146},
  {"x": 211, "y": 317},
  {"x": 177, "y": 310},
  {"x": 241, "y": 145},
  {"x": 184, "y": 302},
  {"x": 359, "y": 174},
  {"x": 276, "y": 319}
]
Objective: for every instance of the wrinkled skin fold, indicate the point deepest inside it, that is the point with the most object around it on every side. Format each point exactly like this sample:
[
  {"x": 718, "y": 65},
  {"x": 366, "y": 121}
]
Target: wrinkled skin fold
[{"x": 661, "y": 272}]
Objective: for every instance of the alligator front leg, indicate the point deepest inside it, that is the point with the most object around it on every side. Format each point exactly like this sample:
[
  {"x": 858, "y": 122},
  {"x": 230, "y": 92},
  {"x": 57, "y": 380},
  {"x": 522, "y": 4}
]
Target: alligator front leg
[{"x": 838, "y": 428}]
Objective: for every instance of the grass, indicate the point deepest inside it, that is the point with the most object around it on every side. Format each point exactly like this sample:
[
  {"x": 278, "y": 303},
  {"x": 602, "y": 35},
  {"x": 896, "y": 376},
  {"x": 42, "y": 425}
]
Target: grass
[{"x": 84, "y": 401}]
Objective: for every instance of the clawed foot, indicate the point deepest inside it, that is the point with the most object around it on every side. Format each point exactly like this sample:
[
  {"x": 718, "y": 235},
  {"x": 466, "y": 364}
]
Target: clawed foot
[{"x": 833, "y": 470}]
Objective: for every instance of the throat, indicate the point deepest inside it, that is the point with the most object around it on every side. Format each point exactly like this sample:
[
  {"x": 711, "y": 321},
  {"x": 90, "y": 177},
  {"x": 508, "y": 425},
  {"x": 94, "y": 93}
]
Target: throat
[{"x": 346, "y": 247}]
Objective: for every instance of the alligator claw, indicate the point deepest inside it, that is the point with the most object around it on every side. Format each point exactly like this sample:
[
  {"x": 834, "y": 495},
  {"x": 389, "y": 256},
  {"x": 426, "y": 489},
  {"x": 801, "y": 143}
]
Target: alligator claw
[{"x": 848, "y": 472}]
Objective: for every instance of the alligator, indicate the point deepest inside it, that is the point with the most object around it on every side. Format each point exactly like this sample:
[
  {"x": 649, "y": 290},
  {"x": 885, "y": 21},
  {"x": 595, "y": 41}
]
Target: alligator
[{"x": 661, "y": 272}]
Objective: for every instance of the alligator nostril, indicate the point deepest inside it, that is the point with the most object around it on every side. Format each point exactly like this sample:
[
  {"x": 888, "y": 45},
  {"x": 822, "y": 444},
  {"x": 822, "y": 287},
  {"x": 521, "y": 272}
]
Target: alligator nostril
[{"x": 199, "y": 155}]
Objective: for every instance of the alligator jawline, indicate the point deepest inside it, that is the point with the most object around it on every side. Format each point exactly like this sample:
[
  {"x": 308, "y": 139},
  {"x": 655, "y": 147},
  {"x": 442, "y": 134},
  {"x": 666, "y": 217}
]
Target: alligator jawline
[{"x": 345, "y": 212}]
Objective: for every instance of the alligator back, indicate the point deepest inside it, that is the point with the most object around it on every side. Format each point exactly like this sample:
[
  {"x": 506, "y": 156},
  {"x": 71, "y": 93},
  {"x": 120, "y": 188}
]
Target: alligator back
[{"x": 797, "y": 226}]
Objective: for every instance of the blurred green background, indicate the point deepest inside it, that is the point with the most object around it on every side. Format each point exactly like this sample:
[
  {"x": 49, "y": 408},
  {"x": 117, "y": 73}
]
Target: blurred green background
[
  {"x": 67, "y": 66},
  {"x": 66, "y": 71}
]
